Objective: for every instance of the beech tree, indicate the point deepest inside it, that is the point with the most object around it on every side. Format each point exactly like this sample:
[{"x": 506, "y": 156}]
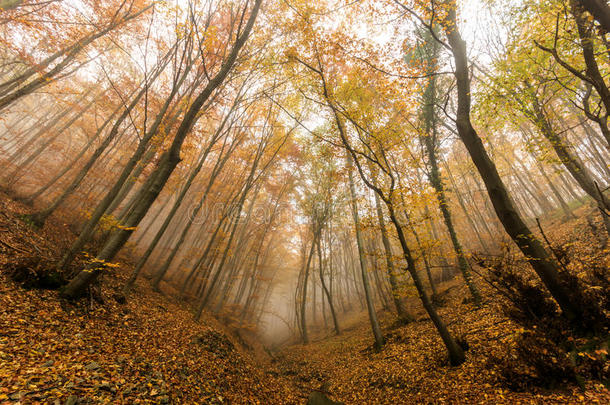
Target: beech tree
[
  {"x": 514, "y": 225},
  {"x": 165, "y": 166}
]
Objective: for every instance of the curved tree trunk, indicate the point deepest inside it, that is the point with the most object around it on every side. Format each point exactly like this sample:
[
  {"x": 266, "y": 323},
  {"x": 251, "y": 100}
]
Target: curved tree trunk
[
  {"x": 531, "y": 247},
  {"x": 396, "y": 296},
  {"x": 168, "y": 162}
]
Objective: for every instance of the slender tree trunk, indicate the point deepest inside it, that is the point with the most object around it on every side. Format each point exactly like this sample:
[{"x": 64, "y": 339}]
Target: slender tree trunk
[
  {"x": 396, "y": 295},
  {"x": 163, "y": 269},
  {"x": 564, "y": 205},
  {"x": 533, "y": 250},
  {"x": 578, "y": 170},
  {"x": 466, "y": 213},
  {"x": 456, "y": 353},
  {"x": 167, "y": 163},
  {"x": 204, "y": 255},
  {"x": 210, "y": 289},
  {"x": 379, "y": 340},
  {"x": 430, "y": 140},
  {"x": 601, "y": 160},
  {"x": 303, "y": 320}
]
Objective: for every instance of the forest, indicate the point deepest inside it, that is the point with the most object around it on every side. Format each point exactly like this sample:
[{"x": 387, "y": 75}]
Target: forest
[{"x": 295, "y": 202}]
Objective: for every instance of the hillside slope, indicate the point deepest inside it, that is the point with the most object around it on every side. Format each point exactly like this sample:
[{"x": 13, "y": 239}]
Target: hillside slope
[{"x": 148, "y": 350}]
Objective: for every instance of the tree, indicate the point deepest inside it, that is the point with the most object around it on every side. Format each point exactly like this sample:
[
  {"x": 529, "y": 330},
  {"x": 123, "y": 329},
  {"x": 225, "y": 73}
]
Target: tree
[
  {"x": 430, "y": 50},
  {"x": 531, "y": 247},
  {"x": 167, "y": 163}
]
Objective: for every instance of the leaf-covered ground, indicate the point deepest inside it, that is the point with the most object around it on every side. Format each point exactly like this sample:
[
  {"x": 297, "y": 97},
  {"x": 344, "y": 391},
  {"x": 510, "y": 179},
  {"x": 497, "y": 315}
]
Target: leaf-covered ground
[
  {"x": 412, "y": 367},
  {"x": 150, "y": 350},
  {"x": 147, "y": 351}
]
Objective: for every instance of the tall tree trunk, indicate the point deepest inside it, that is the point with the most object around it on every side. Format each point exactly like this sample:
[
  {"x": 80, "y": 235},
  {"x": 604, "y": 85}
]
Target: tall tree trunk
[
  {"x": 592, "y": 137},
  {"x": 379, "y": 340},
  {"x": 212, "y": 178},
  {"x": 167, "y": 163},
  {"x": 531, "y": 247},
  {"x": 205, "y": 253},
  {"x": 303, "y": 321},
  {"x": 430, "y": 140},
  {"x": 456, "y": 353},
  {"x": 210, "y": 289},
  {"x": 396, "y": 295},
  {"x": 578, "y": 170}
]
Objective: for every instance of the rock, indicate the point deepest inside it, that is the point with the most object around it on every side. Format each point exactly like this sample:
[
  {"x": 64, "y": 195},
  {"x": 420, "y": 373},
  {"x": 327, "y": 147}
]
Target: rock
[
  {"x": 72, "y": 400},
  {"x": 120, "y": 298},
  {"x": 92, "y": 366},
  {"x": 105, "y": 386}
]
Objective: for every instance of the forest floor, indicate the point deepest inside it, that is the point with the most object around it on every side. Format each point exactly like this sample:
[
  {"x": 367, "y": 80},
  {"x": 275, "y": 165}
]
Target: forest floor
[
  {"x": 147, "y": 350},
  {"x": 412, "y": 367},
  {"x": 150, "y": 350}
]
